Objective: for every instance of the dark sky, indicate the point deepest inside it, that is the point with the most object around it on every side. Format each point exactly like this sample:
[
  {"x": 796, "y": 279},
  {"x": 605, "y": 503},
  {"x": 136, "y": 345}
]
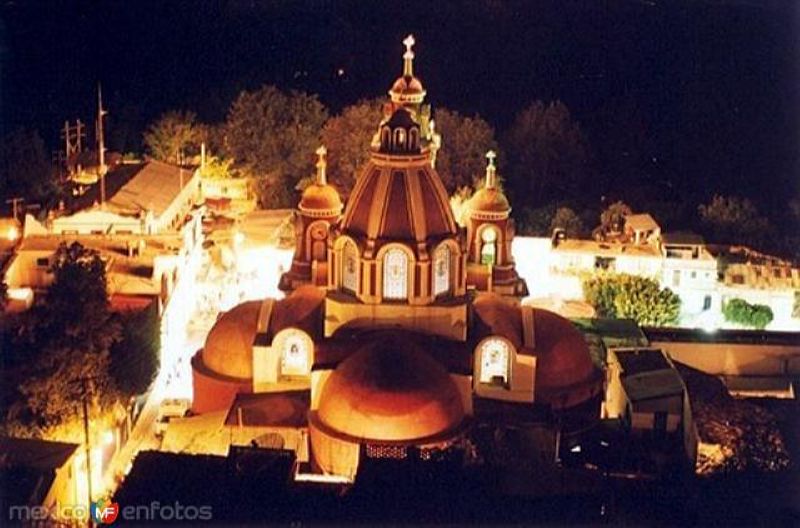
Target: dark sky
[{"x": 702, "y": 93}]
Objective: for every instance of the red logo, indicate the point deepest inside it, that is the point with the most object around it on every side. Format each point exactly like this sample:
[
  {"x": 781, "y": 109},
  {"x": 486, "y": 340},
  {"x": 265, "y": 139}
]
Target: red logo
[{"x": 105, "y": 512}]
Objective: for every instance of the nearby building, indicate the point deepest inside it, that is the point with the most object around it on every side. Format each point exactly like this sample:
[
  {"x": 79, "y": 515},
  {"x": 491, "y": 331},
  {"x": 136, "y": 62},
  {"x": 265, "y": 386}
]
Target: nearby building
[
  {"x": 400, "y": 328},
  {"x": 142, "y": 198},
  {"x": 39, "y": 473},
  {"x": 703, "y": 276}
]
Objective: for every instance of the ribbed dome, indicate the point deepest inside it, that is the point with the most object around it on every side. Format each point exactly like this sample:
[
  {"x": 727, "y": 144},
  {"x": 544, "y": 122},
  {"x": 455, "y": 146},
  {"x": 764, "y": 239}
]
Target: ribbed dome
[
  {"x": 321, "y": 198},
  {"x": 563, "y": 359},
  {"x": 390, "y": 391},
  {"x": 229, "y": 345},
  {"x": 489, "y": 200},
  {"x": 407, "y": 89},
  {"x": 399, "y": 200}
]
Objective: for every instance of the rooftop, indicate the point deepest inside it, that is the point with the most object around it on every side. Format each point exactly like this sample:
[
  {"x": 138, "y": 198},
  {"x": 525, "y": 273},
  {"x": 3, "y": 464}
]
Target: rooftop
[{"x": 607, "y": 249}]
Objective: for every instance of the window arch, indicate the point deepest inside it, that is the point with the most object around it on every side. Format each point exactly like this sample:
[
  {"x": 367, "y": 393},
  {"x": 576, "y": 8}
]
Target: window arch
[
  {"x": 441, "y": 270},
  {"x": 395, "y": 274},
  {"x": 489, "y": 246},
  {"x": 399, "y": 138},
  {"x": 350, "y": 267},
  {"x": 295, "y": 348},
  {"x": 495, "y": 361},
  {"x": 386, "y": 135},
  {"x": 413, "y": 139}
]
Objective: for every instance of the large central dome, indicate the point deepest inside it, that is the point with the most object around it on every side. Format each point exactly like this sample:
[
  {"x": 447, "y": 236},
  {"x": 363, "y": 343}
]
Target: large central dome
[{"x": 390, "y": 391}]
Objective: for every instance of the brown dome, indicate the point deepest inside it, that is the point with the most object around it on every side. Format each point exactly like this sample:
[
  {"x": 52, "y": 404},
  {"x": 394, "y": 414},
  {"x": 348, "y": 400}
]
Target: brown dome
[
  {"x": 408, "y": 197},
  {"x": 321, "y": 198},
  {"x": 489, "y": 200},
  {"x": 407, "y": 85},
  {"x": 564, "y": 369},
  {"x": 390, "y": 390},
  {"x": 229, "y": 345}
]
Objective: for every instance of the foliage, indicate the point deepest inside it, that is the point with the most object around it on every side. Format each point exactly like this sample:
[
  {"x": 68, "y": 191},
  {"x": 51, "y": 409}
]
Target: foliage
[
  {"x": 173, "y": 137},
  {"x": 461, "y": 161},
  {"x": 347, "y": 137},
  {"x": 612, "y": 219},
  {"x": 796, "y": 305},
  {"x": 739, "y": 311},
  {"x": 135, "y": 357},
  {"x": 273, "y": 135},
  {"x": 459, "y": 204},
  {"x": 70, "y": 335},
  {"x": 733, "y": 220},
  {"x": 218, "y": 168},
  {"x": 626, "y": 296},
  {"x": 24, "y": 167},
  {"x": 536, "y": 221},
  {"x": 548, "y": 154},
  {"x": 566, "y": 219}
]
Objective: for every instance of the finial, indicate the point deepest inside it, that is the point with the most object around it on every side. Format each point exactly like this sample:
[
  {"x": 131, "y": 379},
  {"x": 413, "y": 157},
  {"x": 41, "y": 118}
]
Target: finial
[
  {"x": 408, "y": 56},
  {"x": 321, "y": 164},
  {"x": 491, "y": 177}
]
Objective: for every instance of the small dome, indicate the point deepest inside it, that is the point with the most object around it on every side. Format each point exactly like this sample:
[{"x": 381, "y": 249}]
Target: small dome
[
  {"x": 389, "y": 390},
  {"x": 229, "y": 345},
  {"x": 489, "y": 200},
  {"x": 565, "y": 373},
  {"x": 323, "y": 197},
  {"x": 407, "y": 90}
]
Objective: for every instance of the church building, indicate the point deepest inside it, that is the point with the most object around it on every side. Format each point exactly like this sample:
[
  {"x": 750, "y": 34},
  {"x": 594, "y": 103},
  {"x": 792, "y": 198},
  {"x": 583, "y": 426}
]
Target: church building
[{"x": 400, "y": 329}]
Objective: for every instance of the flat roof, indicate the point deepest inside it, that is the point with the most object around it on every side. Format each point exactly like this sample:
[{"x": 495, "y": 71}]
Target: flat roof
[
  {"x": 279, "y": 409},
  {"x": 34, "y": 453},
  {"x": 607, "y": 249},
  {"x": 641, "y": 360}
]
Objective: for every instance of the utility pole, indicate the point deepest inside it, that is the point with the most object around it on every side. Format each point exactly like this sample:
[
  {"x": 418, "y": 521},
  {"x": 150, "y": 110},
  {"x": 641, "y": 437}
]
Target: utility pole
[
  {"x": 101, "y": 149},
  {"x": 14, "y": 208},
  {"x": 85, "y": 386}
]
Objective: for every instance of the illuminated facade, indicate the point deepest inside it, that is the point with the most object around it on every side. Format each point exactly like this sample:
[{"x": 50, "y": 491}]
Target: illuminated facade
[{"x": 397, "y": 320}]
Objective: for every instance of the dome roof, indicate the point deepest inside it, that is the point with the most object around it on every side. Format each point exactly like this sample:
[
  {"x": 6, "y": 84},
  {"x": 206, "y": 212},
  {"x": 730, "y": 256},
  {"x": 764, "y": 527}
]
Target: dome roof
[
  {"x": 407, "y": 85},
  {"x": 321, "y": 198},
  {"x": 563, "y": 358},
  {"x": 229, "y": 345},
  {"x": 407, "y": 196},
  {"x": 489, "y": 200},
  {"x": 390, "y": 390}
]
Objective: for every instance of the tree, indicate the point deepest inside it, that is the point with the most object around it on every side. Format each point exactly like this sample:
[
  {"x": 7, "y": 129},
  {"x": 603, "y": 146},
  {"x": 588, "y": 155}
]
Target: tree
[
  {"x": 740, "y": 312},
  {"x": 173, "y": 137},
  {"x": 626, "y": 296},
  {"x": 461, "y": 161},
  {"x": 548, "y": 155},
  {"x": 612, "y": 219},
  {"x": 24, "y": 167},
  {"x": 135, "y": 357},
  {"x": 348, "y": 137},
  {"x": 733, "y": 220},
  {"x": 273, "y": 135},
  {"x": 70, "y": 334},
  {"x": 566, "y": 219}
]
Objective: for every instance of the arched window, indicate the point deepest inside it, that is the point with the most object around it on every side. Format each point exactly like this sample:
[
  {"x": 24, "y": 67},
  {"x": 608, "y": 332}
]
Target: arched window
[
  {"x": 441, "y": 270},
  {"x": 413, "y": 139},
  {"x": 295, "y": 350},
  {"x": 350, "y": 267},
  {"x": 395, "y": 274},
  {"x": 495, "y": 358},
  {"x": 399, "y": 138},
  {"x": 386, "y": 135},
  {"x": 489, "y": 246},
  {"x": 319, "y": 247}
]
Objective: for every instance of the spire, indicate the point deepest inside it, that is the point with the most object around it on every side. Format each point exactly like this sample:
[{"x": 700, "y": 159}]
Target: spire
[
  {"x": 491, "y": 176},
  {"x": 408, "y": 57},
  {"x": 321, "y": 164}
]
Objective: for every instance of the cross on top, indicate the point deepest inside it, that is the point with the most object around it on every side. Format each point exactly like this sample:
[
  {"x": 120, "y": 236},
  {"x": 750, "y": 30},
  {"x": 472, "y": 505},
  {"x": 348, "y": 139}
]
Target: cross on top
[
  {"x": 321, "y": 151},
  {"x": 491, "y": 155},
  {"x": 408, "y": 42}
]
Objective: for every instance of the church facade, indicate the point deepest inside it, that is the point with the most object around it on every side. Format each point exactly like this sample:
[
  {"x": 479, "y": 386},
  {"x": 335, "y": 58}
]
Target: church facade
[{"x": 400, "y": 328}]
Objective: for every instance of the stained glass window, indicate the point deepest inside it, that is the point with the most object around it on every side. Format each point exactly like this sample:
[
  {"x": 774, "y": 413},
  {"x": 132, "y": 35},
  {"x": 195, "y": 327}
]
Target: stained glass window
[
  {"x": 395, "y": 274},
  {"x": 350, "y": 268},
  {"x": 489, "y": 246},
  {"x": 441, "y": 270},
  {"x": 494, "y": 356}
]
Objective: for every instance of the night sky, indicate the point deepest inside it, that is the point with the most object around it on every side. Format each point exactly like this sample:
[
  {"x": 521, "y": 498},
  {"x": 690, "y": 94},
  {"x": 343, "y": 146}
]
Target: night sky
[{"x": 703, "y": 95}]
